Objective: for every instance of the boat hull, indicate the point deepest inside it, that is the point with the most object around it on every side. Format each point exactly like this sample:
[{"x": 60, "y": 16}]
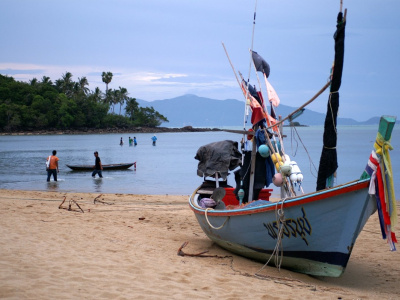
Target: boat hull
[
  {"x": 318, "y": 232},
  {"x": 105, "y": 167}
]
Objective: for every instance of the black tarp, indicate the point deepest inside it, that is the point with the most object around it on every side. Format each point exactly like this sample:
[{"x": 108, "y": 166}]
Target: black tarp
[
  {"x": 218, "y": 157},
  {"x": 328, "y": 162}
]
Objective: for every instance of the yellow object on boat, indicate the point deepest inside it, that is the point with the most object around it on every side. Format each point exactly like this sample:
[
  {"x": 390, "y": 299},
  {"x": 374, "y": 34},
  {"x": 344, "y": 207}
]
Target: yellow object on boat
[{"x": 276, "y": 157}]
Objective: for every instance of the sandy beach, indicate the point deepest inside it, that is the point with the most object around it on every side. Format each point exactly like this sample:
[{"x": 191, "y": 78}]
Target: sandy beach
[{"x": 121, "y": 246}]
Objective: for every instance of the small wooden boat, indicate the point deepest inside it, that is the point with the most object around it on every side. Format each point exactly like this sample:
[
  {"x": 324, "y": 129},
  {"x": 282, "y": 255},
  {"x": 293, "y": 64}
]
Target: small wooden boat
[{"x": 105, "y": 167}]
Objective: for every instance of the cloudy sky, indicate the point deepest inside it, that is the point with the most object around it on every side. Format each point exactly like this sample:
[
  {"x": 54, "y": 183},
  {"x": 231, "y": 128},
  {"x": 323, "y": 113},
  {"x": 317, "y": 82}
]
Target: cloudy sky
[{"x": 160, "y": 49}]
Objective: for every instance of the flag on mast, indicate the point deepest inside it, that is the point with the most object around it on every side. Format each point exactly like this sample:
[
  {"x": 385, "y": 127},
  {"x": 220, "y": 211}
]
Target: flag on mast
[
  {"x": 272, "y": 95},
  {"x": 260, "y": 64}
]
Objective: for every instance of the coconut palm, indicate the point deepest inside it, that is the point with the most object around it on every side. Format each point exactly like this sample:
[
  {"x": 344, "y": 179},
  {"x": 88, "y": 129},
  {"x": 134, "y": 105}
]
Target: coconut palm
[
  {"x": 82, "y": 85},
  {"x": 106, "y": 77},
  {"x": 33, "y": 81},
  {"x": 46, "y": 80},
  {"x": 96, "y": 95},
  {"x": 131, "y": 107},
  {"x": 123, "y": 96},
  {"x": 116, "y": 95},
  {"x": 65, "y": 84}
]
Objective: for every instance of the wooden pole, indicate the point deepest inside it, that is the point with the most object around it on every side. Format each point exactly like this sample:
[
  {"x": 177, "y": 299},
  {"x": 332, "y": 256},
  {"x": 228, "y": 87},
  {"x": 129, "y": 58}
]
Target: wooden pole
[{"x": 304, "y": 105}]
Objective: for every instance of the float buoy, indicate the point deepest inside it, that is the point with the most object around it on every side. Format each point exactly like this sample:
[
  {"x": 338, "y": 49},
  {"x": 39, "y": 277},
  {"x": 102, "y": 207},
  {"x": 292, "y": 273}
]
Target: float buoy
[
  {"x": 277, "y": 179},
  {"x": 295, "y": 174},
  {"x": 263, "y": 150},
  {"x": 277, "y": 160}
]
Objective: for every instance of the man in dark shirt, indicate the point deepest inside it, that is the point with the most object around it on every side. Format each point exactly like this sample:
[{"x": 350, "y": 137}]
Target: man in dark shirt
[{"x": 97, "y": 166}]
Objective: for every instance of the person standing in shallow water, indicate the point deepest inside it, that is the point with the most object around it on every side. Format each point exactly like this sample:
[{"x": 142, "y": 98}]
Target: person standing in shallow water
[
  {"x": 97, "y": 166},
  {"x": 52, "y": 166},
  {"x": 154, "y": 139}
]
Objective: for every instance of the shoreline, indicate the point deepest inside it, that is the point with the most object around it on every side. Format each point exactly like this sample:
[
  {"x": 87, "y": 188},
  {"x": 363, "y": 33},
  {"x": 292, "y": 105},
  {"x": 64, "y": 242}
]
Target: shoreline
[
  {"x": 126, "y": 246},
  {"x": 111, "y": 130}
]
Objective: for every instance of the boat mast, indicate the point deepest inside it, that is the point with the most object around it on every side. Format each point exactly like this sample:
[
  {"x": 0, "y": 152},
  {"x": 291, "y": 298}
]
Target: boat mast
[
  {"x": 328, "y": 161},
  {"x": 254, "y": 148}
]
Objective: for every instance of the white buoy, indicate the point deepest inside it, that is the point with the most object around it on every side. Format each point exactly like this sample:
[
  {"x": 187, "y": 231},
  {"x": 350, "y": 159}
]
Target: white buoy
[
  {"x": 286, "y": 158},
  {"x": 295, "y": 175}
]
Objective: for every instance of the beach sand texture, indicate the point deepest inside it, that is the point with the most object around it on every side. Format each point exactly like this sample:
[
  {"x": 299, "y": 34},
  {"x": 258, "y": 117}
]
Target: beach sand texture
[{"x": 125, "y": 247}]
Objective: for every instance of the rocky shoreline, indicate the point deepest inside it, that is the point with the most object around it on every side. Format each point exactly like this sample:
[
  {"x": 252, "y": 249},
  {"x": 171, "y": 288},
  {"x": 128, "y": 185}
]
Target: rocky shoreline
[{"x": 110, "y": 130}]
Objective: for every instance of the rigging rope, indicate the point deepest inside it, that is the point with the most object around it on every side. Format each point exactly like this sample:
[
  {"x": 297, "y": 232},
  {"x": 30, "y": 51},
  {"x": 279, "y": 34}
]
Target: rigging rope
[{"x": 308, "y": 154}]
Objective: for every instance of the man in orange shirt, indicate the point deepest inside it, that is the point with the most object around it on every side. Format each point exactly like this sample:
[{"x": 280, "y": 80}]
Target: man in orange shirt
[{"x": 52, "y": 166}]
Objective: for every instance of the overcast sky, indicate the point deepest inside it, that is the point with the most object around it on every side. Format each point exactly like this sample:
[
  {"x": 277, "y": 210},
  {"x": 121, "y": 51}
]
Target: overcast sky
[{"x": 161, "y": 49}]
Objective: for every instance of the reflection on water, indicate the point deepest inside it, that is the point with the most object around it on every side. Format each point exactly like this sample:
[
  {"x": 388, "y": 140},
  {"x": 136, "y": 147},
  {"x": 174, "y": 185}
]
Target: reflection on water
[
  {"x": 97, "y": 183},
  {"x": 52, "y": 186}
]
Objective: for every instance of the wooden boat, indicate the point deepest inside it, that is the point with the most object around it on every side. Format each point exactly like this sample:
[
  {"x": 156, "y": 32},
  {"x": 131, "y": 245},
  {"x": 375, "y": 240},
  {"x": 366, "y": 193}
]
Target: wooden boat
[
  {"x": 312, "y": 233},
  {"x": 105, "y": 167}
]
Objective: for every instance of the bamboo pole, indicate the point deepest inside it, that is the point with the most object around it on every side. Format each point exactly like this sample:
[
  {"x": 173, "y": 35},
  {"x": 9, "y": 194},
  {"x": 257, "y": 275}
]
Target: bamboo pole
[{"x": 304, "y": 105}]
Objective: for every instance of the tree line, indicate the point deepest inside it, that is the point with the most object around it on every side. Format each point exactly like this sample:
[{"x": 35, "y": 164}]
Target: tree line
[{"x": 67, "y": 104}]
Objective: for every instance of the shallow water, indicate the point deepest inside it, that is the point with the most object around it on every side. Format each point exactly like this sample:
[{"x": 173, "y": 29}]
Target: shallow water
[{"x": 169, "y": 167}]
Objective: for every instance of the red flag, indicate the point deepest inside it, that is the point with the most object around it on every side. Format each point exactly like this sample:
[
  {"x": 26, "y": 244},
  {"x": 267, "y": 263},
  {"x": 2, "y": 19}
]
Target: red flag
[{"x": 257, "y": 111}]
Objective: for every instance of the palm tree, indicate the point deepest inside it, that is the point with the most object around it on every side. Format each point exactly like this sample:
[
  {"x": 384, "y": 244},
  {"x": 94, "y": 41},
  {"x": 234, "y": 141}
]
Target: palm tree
[
  {"x": 131, "y": 107},
  {"x": 106, "y": 77},
  {"x": 33, "y": 81},
  {"x": 65, "y": 84},
  {"x": 46, "y": 80},
  {"x": 96, "y": 95},
  {"x": 123, "y": 96},
  {"x": 116, "y": 95},
  {"x": 110, "y": 98},
  {"x": 82, "y": 85}
]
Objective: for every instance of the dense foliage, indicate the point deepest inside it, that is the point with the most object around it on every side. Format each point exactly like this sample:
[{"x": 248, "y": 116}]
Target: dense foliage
[{"x": 65, "y": 104}]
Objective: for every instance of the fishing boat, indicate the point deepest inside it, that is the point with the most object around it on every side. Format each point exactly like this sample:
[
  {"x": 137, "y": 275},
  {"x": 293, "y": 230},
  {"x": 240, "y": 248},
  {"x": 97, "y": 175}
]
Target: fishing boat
[
  {"x": 312, "y": 233},
  {"x": 109, "y": 167}
]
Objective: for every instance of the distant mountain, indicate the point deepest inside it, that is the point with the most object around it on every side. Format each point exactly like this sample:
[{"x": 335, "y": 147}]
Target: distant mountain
[{"x": 191, "y": 110}]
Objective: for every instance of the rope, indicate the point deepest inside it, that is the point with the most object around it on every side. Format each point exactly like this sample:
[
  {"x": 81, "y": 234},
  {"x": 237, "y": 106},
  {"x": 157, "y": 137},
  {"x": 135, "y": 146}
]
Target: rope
[
  {"x": 293, "y": 138},
  {"x": 308, "y": 154},
  {"x": 216, "y": 228},
  {"x": 278, "y": 250},
  {"x": 333, "y": 119}
]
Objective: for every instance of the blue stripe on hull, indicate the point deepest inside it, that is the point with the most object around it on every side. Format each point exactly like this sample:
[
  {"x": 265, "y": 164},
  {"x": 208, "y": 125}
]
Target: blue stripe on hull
[
  {"x": 333, "y": 258},
  {"x": 315, "y": 263}
]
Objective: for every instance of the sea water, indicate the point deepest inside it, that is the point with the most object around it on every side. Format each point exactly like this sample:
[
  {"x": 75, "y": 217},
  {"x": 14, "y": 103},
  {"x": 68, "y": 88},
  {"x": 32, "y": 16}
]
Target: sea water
[{"x": 169, "y": 167}]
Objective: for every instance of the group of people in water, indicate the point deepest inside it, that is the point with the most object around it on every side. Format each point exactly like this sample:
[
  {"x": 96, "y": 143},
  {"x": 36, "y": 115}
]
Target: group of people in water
[
  {"x": 134, "y": 141},
  {"x": 131, "y": 141}
]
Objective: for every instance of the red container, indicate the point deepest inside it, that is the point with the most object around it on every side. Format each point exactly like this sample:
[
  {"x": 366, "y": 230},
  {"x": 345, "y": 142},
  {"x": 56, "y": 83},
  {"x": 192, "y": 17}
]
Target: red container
[{"x": 230, "y": 198}]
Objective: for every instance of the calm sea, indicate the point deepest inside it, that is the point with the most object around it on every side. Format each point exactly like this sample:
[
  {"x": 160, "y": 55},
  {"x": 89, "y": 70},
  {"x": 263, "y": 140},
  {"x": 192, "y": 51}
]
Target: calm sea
[{"x": 169, "y": 167}]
